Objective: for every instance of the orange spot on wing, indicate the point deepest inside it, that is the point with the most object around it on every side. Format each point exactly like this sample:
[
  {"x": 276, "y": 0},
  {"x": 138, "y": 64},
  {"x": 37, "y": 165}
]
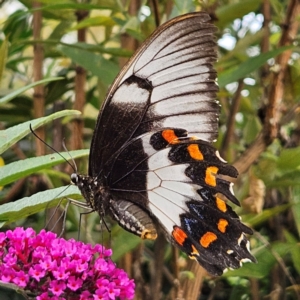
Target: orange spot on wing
[
  {"x": 207, "y": 239},
  {"x": 222, "y": 224},
  {"x": 221, "y": 205},
  {"x": 194, "y": 152},
  {"x": 210, "y": 175},
  {"x": 170, "y": 136},
  {"x": 179, "y": 235}
]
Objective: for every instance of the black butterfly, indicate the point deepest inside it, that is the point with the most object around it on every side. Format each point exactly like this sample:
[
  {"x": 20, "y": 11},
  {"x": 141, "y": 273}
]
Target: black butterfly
[{"x": 151, "y": 157}]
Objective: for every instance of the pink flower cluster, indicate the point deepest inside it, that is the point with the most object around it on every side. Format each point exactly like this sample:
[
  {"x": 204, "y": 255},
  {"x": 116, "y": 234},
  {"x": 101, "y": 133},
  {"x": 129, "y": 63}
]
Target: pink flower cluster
[{"x": 53, "y": 268}]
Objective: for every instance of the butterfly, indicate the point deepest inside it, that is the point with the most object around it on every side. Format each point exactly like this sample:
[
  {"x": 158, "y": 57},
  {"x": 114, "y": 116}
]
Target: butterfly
[{"x": 151, "y": 158}]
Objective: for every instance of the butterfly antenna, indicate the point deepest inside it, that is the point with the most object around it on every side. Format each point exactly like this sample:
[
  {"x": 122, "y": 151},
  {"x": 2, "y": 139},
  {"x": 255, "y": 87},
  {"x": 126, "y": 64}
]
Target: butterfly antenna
[
  {"x": 54, "y": 150},
  {"x": 74, "y": 163}
]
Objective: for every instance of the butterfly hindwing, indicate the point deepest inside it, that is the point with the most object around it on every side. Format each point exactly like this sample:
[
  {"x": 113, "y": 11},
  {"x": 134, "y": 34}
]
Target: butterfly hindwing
[{"x": 193, "y": 217}]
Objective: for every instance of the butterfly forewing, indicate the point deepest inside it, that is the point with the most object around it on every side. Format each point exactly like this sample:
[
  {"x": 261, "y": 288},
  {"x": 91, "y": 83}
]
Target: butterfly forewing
[
  {"x": 151, "y": 159},
  {"x": 174, "y": 63}
]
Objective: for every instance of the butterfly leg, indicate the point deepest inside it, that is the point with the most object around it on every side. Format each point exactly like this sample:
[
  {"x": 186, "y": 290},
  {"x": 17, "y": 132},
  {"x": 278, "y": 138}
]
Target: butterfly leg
[{"x": 133, "y": 219}]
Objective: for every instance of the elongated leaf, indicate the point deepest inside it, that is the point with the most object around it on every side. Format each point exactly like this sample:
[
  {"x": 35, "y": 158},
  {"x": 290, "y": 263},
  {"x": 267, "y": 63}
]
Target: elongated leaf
[
  {"x": 21, "y": 90},
  {"x": 296, "y": 207},
  {"x": 291, "y": 179},
  {"x": 95, "y": 21},
  {"x": 228, "y": 13},
  {"x": 98, "y": 48},
  {"x": 60, "y": 29},
  {"x": 22, "y": 168},
  {"x": 3, "y": 56},
  {"x": 96, "y": 64},
  {"x": 10, "y": 291},
  {"x": 27, "y": 206},
  {"x": 81, "y": 46},
  {"x": 250, "y": 65},
  {"x": 125, "y": 242},
  {"x": 265, "y": 215},
  {"x": 289, "y": 159},
  {"x": 13, "y": 134},
  {"x": 266, "y": 260},
  {"x": 295, "y": 251},
  {"x": 103, "y": 4}
]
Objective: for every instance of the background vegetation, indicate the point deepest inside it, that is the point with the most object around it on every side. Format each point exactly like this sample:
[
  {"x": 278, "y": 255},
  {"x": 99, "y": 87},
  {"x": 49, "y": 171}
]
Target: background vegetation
[{"x": 76, "y": 48}]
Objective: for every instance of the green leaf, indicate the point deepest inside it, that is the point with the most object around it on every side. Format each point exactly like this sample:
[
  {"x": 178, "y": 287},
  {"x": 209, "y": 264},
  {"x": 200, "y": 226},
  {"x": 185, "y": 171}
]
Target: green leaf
[
  {"x": 296, "y": 207},
  {"x": 57, "y": 89},
  {"x": 54, "y": 1},
  {"x": 16, "y": 27},
  {"x": 22, "y": 168},
  {"x": 3, "y": 56},
  {"x": 135, "y": 34},
  {"x": 295, "y": 251},
  {"x": 94, "y": 21},
  {"x": 27, "y": 206},
  {"x": 51, "y": 13},
  {"x": 244, "y": 69},
  {"x": 265, "y": 215},
  {"x": 265, "y": 261},
  {"x": 101, "y": 49},
  {"x": 95, "y": 63},
  {"x": 21, "y": 90},
  {"x": 125, "y": 242},
  {"x": 289, "y": 159},
  {"x": 81, "y": 46},
  {"x": 10, "y": 291},
  {"x": 133, "y": 28},
  {"x": 237, "y": 10},
  {"x": 239, "y": 290},
  {"x": 59, "y": 30},
  {"x": 182, "y": 7},
  {"x": 13, "y": 134},
  {"x": 103, "y": 4},
  {"x": 290, "y": 179}
]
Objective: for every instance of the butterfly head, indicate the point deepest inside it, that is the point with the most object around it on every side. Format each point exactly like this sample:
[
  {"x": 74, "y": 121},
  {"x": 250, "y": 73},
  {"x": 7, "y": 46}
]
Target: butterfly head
[
  {"x": 74, "y": 178},
  {"x": 95, "y": 194}
]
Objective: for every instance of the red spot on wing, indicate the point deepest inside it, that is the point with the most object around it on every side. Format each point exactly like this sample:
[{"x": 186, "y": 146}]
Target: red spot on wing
[
  {"x": 179, "y": 235},
  {"x": 170, "y": 136}
]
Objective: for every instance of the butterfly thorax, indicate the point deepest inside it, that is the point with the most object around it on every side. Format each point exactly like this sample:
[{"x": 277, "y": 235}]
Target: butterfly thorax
[
  {"x": 127, "y": 214},
  {"x": 93, "y": 191}
]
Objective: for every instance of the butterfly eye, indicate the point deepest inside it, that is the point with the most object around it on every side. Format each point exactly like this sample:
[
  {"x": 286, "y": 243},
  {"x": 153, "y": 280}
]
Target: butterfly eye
[{"x": 74, "y": 178}]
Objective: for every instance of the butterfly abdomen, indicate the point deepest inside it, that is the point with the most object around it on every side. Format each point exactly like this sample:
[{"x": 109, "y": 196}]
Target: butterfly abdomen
[{"x": 133, "y": 218}]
